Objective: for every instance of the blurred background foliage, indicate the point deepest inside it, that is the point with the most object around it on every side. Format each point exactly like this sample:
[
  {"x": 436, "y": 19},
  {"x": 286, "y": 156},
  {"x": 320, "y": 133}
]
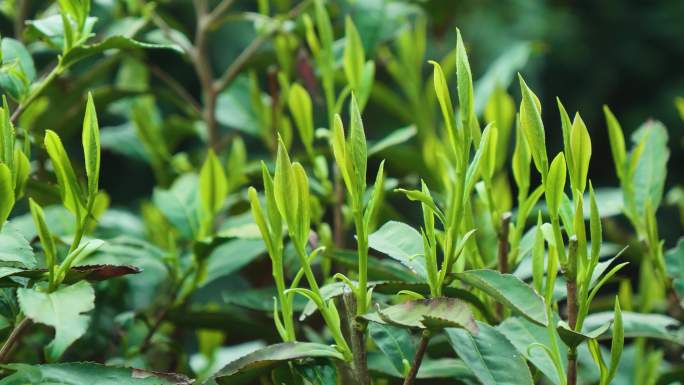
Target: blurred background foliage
[
  {"x": 622, "y": 53},
  {"x": 627, "y": 54}
]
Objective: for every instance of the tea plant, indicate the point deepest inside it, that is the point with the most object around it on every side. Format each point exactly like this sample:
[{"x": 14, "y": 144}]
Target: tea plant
[{"x": 492, "y": 279}]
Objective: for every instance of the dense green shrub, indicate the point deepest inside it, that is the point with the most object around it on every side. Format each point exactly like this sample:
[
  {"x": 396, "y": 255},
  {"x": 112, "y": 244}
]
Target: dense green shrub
[{"x": 255, "y": 235}]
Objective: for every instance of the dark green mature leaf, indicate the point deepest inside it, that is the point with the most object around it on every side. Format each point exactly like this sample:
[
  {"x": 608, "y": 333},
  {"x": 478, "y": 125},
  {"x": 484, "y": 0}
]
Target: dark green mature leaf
[
  {"x": 656, "y": 326},
  {"x": 251, "y": 366},
  {"x": 509, "y": 290},
  {"x": 523, "y": 334},
  {"x": 492, "y": 358},
  {"x": 648, "y": 180},
  {"x": 318, "y": 373},
  {"x": 379, "y": 365},
  {"x": 114, "y": 42},
  {"x": 61, "y": 310},
  {"x": 574, "y": 339},
  {"x": 395, "y": 342},
  {"x": 394, "y": 287},
  {"x": 15, "y": 251},
  {"x": 401, "y": 242},
  {"x": 433, "y": 314},
  {"x": 379, "y": 269},
  {"x": 79, "y": 373}
]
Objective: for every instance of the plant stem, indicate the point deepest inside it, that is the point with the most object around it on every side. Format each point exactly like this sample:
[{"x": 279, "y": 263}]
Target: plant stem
[
  {"x": 362, "y": 249},
  {"x": 418, "y": 359},
  {"x": 357, "y": 337},
  {"x": 571, "y": 285},
  {"x": 12, "y": 339},
  {"x": 34, "y": 95},
  {"x": 502, "y": 253},
  {"x": 331, "y": 323}
]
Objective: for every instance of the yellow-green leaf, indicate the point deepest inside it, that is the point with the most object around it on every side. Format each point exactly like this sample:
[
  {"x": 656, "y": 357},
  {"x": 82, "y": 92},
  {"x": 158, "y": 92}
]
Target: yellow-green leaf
[
  {"x": 354, "y": 56},
  {"x": 555, "y": 184},
  {"x": 213, "y": 186},
  {"x": 580, "y": 147},
  {"x": 69, "y": 189},
  {"x": 533, "y": 127},
  {"x": 299, "y": 103},
  {"x": 285, "y": 188},
  {"x": 91, "y": 146},
  {"x": 44, "y": 234},
  {"x": 6, "y": 193},
  {"x": 444, "y": 99},
  {"x": 357, "y": 146},
  {"x": 466, "y": 101},
  {"x": 617, "y": 141}
]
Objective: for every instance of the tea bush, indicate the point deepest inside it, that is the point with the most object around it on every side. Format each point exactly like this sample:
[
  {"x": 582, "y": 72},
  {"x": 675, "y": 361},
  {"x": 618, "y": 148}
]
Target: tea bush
[{"x": 465, "y": 247}]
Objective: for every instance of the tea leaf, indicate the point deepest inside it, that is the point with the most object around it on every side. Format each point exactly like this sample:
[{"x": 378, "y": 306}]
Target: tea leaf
[
  {"x": 91, "y": 146},
  {"x": 62, "y": 309},
  {"x": 500, "y": 109},
  {"x": 617, "y": 342},
  {"x": 521, "y": 160},
  {"x": 533, "y": 127},
  {"x": 648, "y": 180},
  {"x": 248, "y": 368},
  {"x": 444, "y": 99},
  {"x": 538, "y": 257},
  {"x": 617, "y": 141},
  {"x": 395, "y": 342},
  {"x": 636, "y": 325},
  {"x": 81, "y": 52},
  {"x": 339, "y": 145},
  {"x": 6, "y": 193},
  {"x": 69, "y": 188},
  {"x": 299, "y": 102},
  {"x": 580, "y": 147},
  {"x": 354, "y": 56},
  {"x": 523, "y": 335},
  {"x": 491, "y": 357},
  {"x": 465, "y": 92},
  {"x": 401, "y": 242},
  {"x": 22, "y": 169},
  {"x": 574, "y": 338},
  {"x": 178, "y": 205},
  {"x": 285, "y": 188},
  {"x": 15, "y": 250},
  {"x": 213, "y": 186},
  {"x": 46, "y": 239},
  {"x": 555, "y": 184},
  {"x": 434, "y": 313},
  {"x": 357, "y": 145},
  {"x": 303, "y": 213},
  {"x": 77, "y": 373},
  {"x": 508, "y": 290}
]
